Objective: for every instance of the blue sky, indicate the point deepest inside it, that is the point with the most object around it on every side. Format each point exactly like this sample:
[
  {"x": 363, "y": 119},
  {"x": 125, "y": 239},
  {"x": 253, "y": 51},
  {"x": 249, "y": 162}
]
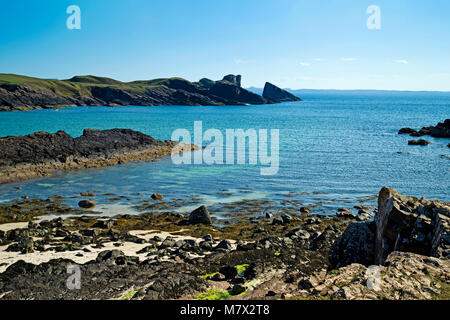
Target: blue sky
[{"x": 292, "y": 43}]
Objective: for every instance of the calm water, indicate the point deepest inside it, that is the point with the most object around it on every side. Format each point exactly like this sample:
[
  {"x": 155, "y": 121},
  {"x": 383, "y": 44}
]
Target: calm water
[{"x": 344, "y": 147}]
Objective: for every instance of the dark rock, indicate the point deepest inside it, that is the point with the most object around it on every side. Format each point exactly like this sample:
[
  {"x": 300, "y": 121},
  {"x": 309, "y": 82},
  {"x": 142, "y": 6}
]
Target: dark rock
[
  {"x": 200, "y": 216},
  {"x": 235, "y": 80},
  {"x": 108, "y": 224},
  {"x": 406, "y": 131},
  {"x": 25, "y": 245},
  {"x": 420, "y": 142},
  {"x": 61, "y": 233},
  {"x": 229, "y": 272},
  {"x": 237, "y": 289},
  {"x": 246, "y": 247},
  {"x": 345, "y": 213},
  {"x": 238, "y": 280},
  {"x": 325, "y": 239},
  {"x": 277, "y": 221},
  {"x": 412, "y": 225},
  {"x": 286, "y": 218},
  {"x": 356, "y": 245},
  {"x": 86, "y": 204},
  {"x": 91, "y": 232},
  {"x": 48, "y": 152},
  {"x": 206, "y": 245},
  {"x": 305, "y": 210},
  {"x": 231, "y": 94},
  {"x": 109, "y": 254},
  {"x": 276, "y": 95},
  {"x": 157, "y": 196},
  {"x": 208, "y": 238},
  {"x": 168, "y": 242},
  {"x": 305, "y": 284},
  {"x": 223, "y": 245},
  {"x": 441, "y": 130},
  {"x": 270, "y": 293}
]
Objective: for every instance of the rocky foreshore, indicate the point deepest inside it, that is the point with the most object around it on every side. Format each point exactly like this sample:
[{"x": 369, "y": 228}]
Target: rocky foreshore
[
  {"x": 19, "y": 93},
  {"x": 41, "y": 153},
  {"x": 403, "y": 253}
]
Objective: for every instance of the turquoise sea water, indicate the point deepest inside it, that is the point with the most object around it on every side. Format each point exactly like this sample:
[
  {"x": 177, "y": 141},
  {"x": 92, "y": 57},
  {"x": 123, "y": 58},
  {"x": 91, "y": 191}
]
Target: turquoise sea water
[{"x": 337, "y": 146}]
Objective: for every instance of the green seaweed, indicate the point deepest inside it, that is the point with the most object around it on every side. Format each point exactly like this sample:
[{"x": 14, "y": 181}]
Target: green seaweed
[
  {"x": 128, "y": 295},
  {"x": 214, "y": 295},
  {"x": 209, "y": 275}
]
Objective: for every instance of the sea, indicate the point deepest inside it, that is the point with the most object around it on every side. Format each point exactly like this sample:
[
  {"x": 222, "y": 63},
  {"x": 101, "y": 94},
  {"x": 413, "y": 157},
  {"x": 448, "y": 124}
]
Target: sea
[{"x": 336, "y": 147}]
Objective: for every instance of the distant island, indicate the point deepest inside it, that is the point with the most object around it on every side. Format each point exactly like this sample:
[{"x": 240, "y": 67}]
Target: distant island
[{"x": 20, "y": 93}]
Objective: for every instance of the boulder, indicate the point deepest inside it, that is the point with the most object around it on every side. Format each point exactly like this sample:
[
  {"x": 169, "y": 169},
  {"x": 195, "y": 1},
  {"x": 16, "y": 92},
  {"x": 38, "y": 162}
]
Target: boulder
[
  {"x": 157, "y": 196},
  {"x": 200, "y": 216},
  {"x": 420, "y": 142},
  {"x": 305, "y": 210},
  {"x": 86, "y": 204},
  {"x": 223, "y": 245},
  {"x": 406, "y": 131}
]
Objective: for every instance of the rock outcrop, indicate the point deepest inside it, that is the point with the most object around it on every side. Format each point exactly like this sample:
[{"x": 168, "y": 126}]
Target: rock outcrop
[
  {"x": 25, "y": 93},
  {"x": 420, "y": 142},
  {"x": 41, "y": 153},
  {"x": 441, "y": 130},
  {"x": 401, "y": 223},
  {"x": 276, "y": 95},
  {"x": 413, "y": 225},
  {"x": 405, "y": 276}
]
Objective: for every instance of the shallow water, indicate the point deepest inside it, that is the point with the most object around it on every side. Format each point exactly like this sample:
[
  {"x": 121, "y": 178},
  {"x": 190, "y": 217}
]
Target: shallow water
[{"x": 343, "y": 146}]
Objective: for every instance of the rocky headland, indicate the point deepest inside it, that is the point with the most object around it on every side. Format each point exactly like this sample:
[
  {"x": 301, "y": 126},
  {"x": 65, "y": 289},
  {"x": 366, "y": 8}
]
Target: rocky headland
[
  {"x": 26, "y": 93},
  {"x": 399, "y": 250},
  {"x": 42, "y": 153}
]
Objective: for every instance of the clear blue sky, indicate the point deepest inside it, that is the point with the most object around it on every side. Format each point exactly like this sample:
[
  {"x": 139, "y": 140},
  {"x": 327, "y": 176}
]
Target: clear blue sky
[{"x": 292, "y": 43}]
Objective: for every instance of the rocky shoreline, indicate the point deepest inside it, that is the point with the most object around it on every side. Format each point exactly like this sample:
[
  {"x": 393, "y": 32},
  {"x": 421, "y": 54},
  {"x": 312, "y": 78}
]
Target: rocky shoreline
[
  {"x": 20, "y": 93},
  {"x": 399, "y": 250},
  {"x": 441, "y": 130},
  {"x": 41, "y": 153}
]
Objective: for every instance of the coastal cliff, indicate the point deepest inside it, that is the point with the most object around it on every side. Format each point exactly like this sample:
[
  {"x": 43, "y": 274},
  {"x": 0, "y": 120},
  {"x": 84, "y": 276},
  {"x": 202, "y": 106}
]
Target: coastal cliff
[
  {"x": 25, "y": 93},
  {"x": 41, "y": 153}
]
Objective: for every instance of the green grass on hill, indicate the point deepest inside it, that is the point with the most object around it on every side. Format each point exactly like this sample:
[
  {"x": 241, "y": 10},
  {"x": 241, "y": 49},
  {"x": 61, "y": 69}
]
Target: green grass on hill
[{"x": 81, "y": 85}]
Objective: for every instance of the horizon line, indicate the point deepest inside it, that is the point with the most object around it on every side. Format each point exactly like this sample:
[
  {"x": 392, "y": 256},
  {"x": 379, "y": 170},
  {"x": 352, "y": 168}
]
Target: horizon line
[{"x": 248, "y": 87}]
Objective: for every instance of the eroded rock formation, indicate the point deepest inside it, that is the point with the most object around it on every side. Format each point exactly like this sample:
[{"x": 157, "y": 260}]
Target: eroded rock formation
[{"x": 41, "y": 153}]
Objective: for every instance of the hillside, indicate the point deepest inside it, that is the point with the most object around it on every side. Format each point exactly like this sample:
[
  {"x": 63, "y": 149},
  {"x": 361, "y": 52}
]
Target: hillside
[{"x": 26, "y": 93}]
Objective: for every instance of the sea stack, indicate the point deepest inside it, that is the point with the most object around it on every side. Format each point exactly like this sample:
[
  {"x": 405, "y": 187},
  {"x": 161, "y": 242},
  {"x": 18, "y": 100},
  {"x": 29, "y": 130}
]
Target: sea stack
[{"x": 276, "y": 95}]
